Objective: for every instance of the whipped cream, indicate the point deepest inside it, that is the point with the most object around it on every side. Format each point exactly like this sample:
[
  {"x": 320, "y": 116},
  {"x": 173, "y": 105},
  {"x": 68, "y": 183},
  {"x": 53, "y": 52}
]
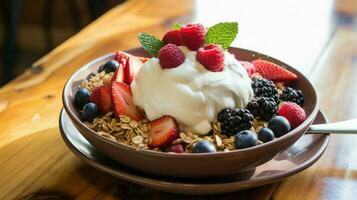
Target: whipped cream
[{"x": 190, "y": 93}]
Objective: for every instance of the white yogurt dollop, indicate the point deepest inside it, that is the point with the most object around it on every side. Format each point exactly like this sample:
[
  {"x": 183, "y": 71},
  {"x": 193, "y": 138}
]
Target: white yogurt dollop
[{"x": 190, "y": 93}]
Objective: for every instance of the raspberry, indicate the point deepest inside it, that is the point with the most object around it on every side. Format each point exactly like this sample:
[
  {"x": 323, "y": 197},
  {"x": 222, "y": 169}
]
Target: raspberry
[
  {"x": 211, "y": 57},
  {"x": 193, "y": 36},
  {"x": 170, "y": 56},
  {"x": 293, "y": 113},
  {"x": 173, "y": 37}
]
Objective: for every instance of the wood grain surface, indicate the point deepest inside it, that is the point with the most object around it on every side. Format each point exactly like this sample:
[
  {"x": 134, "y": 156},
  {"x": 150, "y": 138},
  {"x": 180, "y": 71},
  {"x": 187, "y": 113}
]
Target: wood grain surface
[{"x": 36, "y": 164}]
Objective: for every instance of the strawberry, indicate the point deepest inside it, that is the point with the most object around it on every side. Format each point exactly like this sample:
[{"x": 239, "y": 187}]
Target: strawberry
[
  {"x": 249, "y": 67},
  {"x": 121, "y": 57},
  {"x": 162, "y": 132},
  {"x": 173, "y": 37},
  {"x": 123, "y": 102},
  {"x": 272, "y": 71},
  {"x": 118, "y": 75},
  {"x": 131, "y": 67},
  {"x": 211, "y": 57},
  {"x": 293, "y": 113},
  {"x": 193, "y": 36},
  {"x": 101, "y": 97}
]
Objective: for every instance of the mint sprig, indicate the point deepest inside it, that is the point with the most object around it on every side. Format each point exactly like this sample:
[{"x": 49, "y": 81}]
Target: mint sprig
[
  {"x": 222, "y": 34},
  {"x": 150, "y": 43}
]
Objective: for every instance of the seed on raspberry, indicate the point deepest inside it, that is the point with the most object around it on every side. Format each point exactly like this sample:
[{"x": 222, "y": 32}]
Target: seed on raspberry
[
  {"x": 173, "y": 37},
  {"x": 193, "y": 36},
  {"x": 211, "y": 57},
  {"x": 170, "y": 56}
]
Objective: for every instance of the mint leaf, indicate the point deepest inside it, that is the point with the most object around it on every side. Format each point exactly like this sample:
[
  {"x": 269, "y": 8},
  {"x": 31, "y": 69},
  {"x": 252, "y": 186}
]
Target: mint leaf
[
  {"x": 222, "y": 34},
  {"x": 150, "y": 43},
  {"x": 176, "y": 26}
]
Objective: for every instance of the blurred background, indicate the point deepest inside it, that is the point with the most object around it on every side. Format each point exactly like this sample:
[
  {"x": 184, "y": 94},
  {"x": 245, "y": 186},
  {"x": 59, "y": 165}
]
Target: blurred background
[{"x": 29, "y": 29}]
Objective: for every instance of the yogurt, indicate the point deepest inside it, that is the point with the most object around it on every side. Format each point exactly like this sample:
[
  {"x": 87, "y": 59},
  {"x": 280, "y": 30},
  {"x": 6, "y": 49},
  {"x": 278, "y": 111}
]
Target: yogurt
[{"x": 190, "y": 93}]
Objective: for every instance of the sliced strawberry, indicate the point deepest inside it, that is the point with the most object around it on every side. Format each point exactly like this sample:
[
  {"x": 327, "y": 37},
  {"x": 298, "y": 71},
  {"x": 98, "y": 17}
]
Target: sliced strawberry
[
  {"x": 131, "y": 68},
  {"x": 123, "y": 102},
  {"x": 101, "y": 97},
  {"x": 143, "y": 59},
  {"x": 272, "y": 71},
  {"x": 121, "y": 57},
  {"x": 118, "y": 75},
  {"x": 249, "y": 67},
  {"x": 162, "y": 132}
]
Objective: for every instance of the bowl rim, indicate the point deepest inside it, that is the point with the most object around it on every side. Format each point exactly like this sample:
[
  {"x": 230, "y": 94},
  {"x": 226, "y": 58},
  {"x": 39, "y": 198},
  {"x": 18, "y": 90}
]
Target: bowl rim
[{"x": 65, "y": 101}]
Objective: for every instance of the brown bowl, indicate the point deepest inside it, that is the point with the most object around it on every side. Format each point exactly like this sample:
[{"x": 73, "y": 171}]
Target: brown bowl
[{"x": 190, "y": 165}]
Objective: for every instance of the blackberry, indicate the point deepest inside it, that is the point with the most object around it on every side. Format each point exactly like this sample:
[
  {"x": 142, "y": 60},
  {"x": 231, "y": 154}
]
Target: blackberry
[
  {"x": 292, "y": 95},
  {"x": 263, "y": 107},
  {"x": 234, "y": 120},
  {"x": 265, "y": 88}
]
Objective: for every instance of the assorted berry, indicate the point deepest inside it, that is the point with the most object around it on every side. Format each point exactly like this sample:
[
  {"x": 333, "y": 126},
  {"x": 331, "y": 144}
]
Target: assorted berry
[
  {"x": 265, "y": 135},
  {"x": 170, "y": 56},
  {"x": 234, "y": 120},
  {"x": 162, "y": 132},
  {"x": 173, "y": 37},
  {"x": 292, "y": 95},
  {"x": 109, "y": 66},
  {"x": 293, "y": 113},
  {"x": 245, "y": 139},
  {"x": 249, "y": 67},
  {"x": 101, "y": 97},
  {"x": 279, "y": 125},
  {"x": 193, "y": 36},
  {"x": 211, "y": 57},
  {"x": 89, "y": 112},
  {"x": 177, "y": 148},
  {"x": 204, "y": 147},
  {"x": 274, "y": 110},
  {"x": 264, "y": 88},
  {"x": 263, "y": 107},
  {"x": 272, "y": 71},
  {"x": 123, "y": 102},
  {"x": 82, "y": 97}
]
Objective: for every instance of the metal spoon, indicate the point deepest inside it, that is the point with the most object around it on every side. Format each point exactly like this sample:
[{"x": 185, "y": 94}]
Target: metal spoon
[{"x": 343, "y": 127}]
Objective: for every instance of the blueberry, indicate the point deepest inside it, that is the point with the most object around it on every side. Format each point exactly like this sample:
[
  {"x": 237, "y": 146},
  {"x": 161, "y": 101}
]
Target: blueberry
[
  {"x": 265, "y": 135},
  {"x": 82, "y": 97},
  {"x": 204, "y": 147},
  {"x": 109, "y": 66},
  {"x": 100, "y": 69},
  {"x": 90, "y": 111},
  {"x": 279, "y": 125},
  {"x": 245, "y": 139}
]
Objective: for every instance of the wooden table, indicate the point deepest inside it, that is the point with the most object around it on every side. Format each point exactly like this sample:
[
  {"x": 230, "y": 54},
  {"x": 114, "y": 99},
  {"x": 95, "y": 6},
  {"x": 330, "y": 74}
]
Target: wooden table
[{"x": 318, "y": 37}]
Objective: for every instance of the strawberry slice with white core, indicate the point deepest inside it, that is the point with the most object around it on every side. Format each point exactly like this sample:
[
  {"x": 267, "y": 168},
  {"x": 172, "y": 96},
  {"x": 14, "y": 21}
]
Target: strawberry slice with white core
[
  {"x": 121, "y": 57},
  {"x": 131, "y": 68},
  {"x": 123, "y": 101},
  {"x": 162, "y": 132},
  {"x": 118, "y": 75},
  {"x": 102, "y": 98}
]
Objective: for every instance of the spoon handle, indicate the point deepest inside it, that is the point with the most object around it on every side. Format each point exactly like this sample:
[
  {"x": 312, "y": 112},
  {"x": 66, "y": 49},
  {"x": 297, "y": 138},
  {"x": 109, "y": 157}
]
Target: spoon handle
[{"x": 343, "y": 127}]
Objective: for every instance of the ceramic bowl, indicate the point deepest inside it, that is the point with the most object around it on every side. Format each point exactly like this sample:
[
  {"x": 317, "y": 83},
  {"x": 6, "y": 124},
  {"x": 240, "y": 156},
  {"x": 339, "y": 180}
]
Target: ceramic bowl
[{"x": 190, "y": 165}]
